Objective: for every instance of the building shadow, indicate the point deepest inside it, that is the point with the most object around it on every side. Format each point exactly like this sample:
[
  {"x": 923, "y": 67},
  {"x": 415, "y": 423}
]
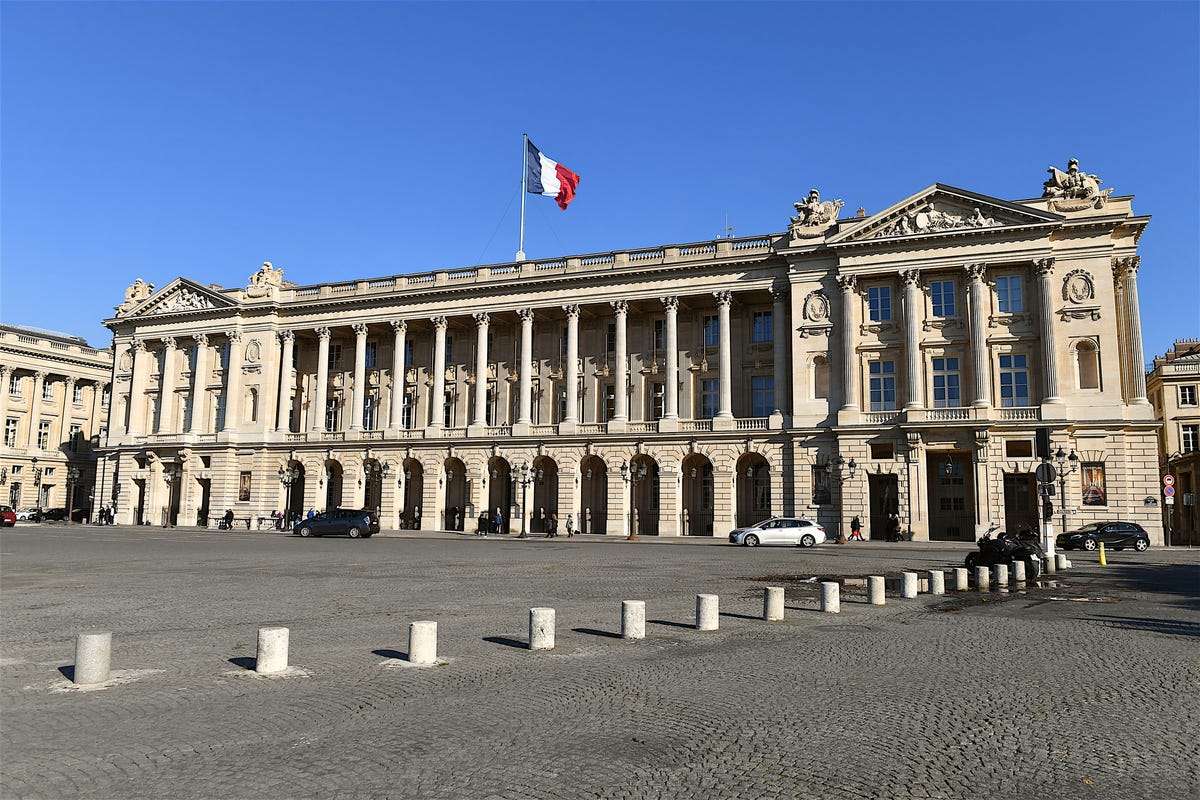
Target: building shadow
[
  {"x": 1170, "y": 627},
  {"x": 507, "y": 642},
  {"x": 597, "y": 632}
]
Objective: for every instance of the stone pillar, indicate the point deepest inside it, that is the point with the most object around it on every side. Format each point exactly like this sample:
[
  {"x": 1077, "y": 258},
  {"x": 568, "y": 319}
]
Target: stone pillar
[
  {"x": 1127, "y": 270},
  {"x": 849, "y": 358},
  {"x": 137, "y": 389},
  {"x": 323, "y": 336},
  {"x": 572, "y": 371},
  {"x": 6, "y": 373},
  {"x": 287, "y": 390},
  {"x": 1045, "y": 275},
  {"x": 908, "y": 584},
  {"x": 437, "y": 396},
  {"x": 937, "y": 581},
  {"x": 633, "y": 619},
  {"x": 541, "y": 629},
  {"x": 525, "y": 368},
  {"x": 621, "y": 391},
  {"x": 199, "y": 385},
  {"x": 64, "y": 420},
  {"x": 422, "y": 642},
  {"x": 400, "y": 330},
  {"x": 780, "y": 337},
  {"x": 93, "y": 658},
  {"x": 166, "y": 391},
  {"x": 233, "y": 383},
  {"x": 35, "y": 404},
  {"x": 482, "y": 321},
  {"x": 876, "y": 590},
  {"x": 725, "y": 370},
  {"x": 671, "y": 396},
  {"x": 272, "y": 652},
  {"x": 773, "y": 603},
  {"x": 831, "y": 597},
  {"x": 914, "y": 397},
  {"x": 980, "y": 365},
  {"x": 93, "y": 415},
  {"x": 708, "y": 615},
  {"x": 359, "y": 395}
]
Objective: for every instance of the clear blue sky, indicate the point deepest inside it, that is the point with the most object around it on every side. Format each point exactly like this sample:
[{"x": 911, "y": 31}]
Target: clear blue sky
[{"x": 345, "y": 140}]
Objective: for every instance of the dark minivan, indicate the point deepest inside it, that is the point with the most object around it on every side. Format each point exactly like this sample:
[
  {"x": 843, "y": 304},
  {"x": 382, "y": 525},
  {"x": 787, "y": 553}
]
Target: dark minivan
[{"x": 351, "y": 522}]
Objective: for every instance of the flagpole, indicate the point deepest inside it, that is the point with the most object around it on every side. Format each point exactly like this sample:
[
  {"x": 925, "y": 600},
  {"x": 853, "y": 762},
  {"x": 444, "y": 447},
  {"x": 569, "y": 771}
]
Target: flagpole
[{"x": 524, "y": 174}]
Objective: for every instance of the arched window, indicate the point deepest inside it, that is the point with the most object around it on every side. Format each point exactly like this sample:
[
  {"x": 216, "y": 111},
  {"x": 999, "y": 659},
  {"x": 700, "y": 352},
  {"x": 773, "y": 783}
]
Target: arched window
[
  {"x": 1087, "y": 360},
  {"x": 820, "y": 378}
]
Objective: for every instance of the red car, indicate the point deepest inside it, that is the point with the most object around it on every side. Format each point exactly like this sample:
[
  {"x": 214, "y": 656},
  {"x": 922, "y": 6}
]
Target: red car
[{"x": 8, "y": 517}]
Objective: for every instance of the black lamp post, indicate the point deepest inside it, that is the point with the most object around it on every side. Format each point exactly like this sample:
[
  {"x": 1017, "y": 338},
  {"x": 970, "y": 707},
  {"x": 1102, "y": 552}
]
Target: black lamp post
[
  {"x": 72, "y": 479},
  {"x": 833, "y": 468},
  {"x": 171, "y": 474},
  {"x": 525, "y": 479},
  {"x": 633, "y": 475},
  {"x": 288, "y": 477},
  {"x": 1065, "y": 463}
]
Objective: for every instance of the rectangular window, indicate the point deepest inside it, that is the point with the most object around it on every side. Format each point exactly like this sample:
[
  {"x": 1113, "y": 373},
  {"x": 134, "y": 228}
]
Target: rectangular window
[
  {"x": 449, "y": 349},
  {"x": 47, "y": 391},
  {"x": 335, "y": 356},
  {"x": 562, "y": 345},
  {"x": 10, "y": 432},
  {"x": 610, "y": 403},
  {"x": 657, "y": 396},
  {"x": 105, "y": 397},
  {"x": 76, "y": 436},
  {"x": 879, "y": 303},
  {"x": 1187, "y": 395},
  {"x": 245, "y": 481},
  {"x": 43, "y": 435},
  {"x": 14, "y": 386},
  {"x": 409, "y": 350},
  {"x": 946, "y": 392},
  {"x": 762, "y": 395},
  {"x": 711, "y": 334},
  {"x": 1014, "y": 381},
  {"x": 372, "y": 353},
  {"x": 369, "y": 413},
  {"x": 882, "y": 451},
  {"x": 708, "y": 398},
  {"x": 1018, "y": 448},
  {"x": 406, "y": 413},
  {"x": 610, "y": 338},
  {"x": 942, "y": 295},
  {"x": 77, "y": 395},
  {"x": 1189, "y": 438},
  {"x": 883, "y": 385},
  {"x": 332, "y": 407},
  {"x": 822, "y": 495},
  {"x": 1095, "y": 492},
  {"x": 763, "y": 331},
  {"x": 1008, "y": 294}
]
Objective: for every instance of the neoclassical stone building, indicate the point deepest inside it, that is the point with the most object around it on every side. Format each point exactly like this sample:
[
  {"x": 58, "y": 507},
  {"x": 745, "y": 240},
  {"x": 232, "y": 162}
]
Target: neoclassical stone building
[
  {"x": 54, "y": 398},
  {"x": 1174, "y": 388},
  {"x": 897, "y": 362}
]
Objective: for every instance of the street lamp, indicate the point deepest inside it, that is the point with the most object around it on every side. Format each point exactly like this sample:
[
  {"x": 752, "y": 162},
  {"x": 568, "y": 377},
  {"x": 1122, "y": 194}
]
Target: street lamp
[
  {"x": 1065, "y": 463},
  {"x": 288, "y": 477},
  {"x": 373, "y": 470},
  {"x": 633, "y": 475},
  {"x": 525, "y": 479},
  {"x": 72, "y": 479},
  {"x": 171, "y": 474}
]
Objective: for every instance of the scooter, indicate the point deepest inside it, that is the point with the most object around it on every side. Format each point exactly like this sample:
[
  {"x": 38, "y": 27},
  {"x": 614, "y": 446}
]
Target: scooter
[{"x": 1006, "y": 548}]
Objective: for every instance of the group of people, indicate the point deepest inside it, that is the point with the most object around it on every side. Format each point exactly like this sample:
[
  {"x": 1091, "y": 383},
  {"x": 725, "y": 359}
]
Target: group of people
[
  {"x": 495, "y": 523},
  {"x": 891, "y": 530},
  {"x": 105, "y": 515}
]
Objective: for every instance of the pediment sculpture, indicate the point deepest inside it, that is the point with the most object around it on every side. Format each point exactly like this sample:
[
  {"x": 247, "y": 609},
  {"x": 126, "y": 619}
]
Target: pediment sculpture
[
  {"x": 265, "y": 282},
  {"x": 183, "y": 300},
  {"x": 1074, "y": 190},
  {"x": 814, "y": 216},
  {"x": 931, "y": 219},
  {"x": 138, "y": 291}
]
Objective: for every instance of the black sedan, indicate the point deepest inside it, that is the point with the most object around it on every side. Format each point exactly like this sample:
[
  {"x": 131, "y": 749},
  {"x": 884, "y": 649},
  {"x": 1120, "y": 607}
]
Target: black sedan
[
  {"x": 354, "y": 523},
  {"x": 1115, "y": 535}
]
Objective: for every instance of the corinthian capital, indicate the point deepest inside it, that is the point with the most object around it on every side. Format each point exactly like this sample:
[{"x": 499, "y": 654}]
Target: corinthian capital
[
  {"x": 482, "y": 319},
  {"x": 1044, "y": 267},
  {"x": 360, "y": 329},
  {"x": 910, "y": 277},
  {"x": 284, "y": 337},
  {"x": 400, "y": 326},
  {"x": 847, "y": 282},
  {"x": 439, "y": 322},
  {"x": 324, "y": 334},
  {"x": 526, "y": 314},
  {"x": 724, "y": 298},
  {"x": 976, "y": 272},
  {"x": 168, "y": 342},
  {"x": 137, "y": 345},
  {"x": 670, "y": 304},
  {"x": 201, "y": 339},
  {"x": 620, "y": 307},
  {"x": 1127, "y": 266},
  {"x": 572, "y": 310}
]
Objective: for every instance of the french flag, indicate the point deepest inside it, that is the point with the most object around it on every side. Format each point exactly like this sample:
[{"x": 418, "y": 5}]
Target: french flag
[{"x": 549, "y": 178}]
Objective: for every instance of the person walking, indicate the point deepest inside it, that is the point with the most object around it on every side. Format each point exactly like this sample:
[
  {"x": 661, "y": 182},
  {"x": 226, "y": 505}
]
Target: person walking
[
  {"x": 570, "y": 526},
  {"x": 893, "y": 527},
  {"x": 228, "y": 519},
  {"x": 552, "y": 529},
  {"x": 498, "y": 521},
  {"x": 856, "y": 529}
]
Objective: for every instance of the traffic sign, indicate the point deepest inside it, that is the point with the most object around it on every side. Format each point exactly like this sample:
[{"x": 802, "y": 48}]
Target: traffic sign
[
  {"x": 1171, "y": 501},
  {"x": 1169, "y": 491},
  {"x": 1046, "y": 473},
  {"x": 1046, "y": 490},
  {"x": 1168, "y": 480}
]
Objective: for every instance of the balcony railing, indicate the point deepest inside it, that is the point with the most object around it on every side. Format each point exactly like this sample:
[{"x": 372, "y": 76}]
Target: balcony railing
[
  {"x": 751, "y": 424},
  {"x": 695, "y": 425},
  {"x": 880, "y": 417},
  {"x": 1018, "y": 414}
]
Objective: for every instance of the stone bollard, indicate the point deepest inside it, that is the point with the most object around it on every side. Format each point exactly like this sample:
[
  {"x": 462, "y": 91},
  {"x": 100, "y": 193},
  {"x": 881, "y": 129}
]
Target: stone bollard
[
  {"x": 962, "y": 579},
  {"x": 1061, "y": 562},
  {"x": 908, "y": 584},
  {"x": 541, "y": 629},
  {"x": 708, "y": 613},
  {"x": 93, "y": 657},
  {"x": 937, "y": 581},
  {"x": 773, "y": 603},
  {"x": 1018, "y": 570},
  {"x": 422, "y": 642},
  {"x": 633, "y": 619},
  {"x": 875, "y": 590},
  {"x": 1000, "y": 572},
  {"x": 831, "y": 597},
  {"x": 272, "y": 655},
  {"x": 1048, "y": 564},
  {"x": 981, "y": 578}
]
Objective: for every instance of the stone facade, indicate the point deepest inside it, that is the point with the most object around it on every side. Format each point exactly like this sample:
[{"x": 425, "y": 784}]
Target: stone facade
[
  {"x": 1174, "y": 389},
  {"x": 898, "y": 362},
  {"x": 54, "y": 399}
]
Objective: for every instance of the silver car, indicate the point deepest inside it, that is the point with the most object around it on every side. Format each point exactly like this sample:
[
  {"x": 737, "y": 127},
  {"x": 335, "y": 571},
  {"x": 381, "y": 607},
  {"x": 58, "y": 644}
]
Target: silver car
[{"x": 780, "y": 530}]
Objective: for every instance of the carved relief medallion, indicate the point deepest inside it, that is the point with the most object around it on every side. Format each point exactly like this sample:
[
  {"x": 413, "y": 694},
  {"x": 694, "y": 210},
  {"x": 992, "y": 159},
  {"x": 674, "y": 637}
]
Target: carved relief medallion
[
  {"x": 1078, "y": 287},
  {"x": 816, "y": 306}
]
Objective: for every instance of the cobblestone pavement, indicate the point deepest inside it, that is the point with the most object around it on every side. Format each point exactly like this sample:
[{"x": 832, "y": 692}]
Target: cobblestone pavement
[{"x": 1087, "y": 689}]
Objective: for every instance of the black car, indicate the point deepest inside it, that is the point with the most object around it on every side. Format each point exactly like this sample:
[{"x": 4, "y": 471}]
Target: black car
[
  {"x": 350, "y": 522},
  {"x": 1117, "y": 535}
]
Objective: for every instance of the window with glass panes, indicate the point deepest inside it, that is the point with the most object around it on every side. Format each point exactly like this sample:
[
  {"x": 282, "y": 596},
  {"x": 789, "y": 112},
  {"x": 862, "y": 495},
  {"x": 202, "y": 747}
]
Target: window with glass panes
[
  {"x": 711, "y": 336},
  {"x": 610, "y": 338},
  {"x": 879, "y": 303},
  {"x": 657, "y": 393},
  {"x": 47, "y": 391},
  {"x": 335, "y": 355},
  {"x": 762, "y": 395},
  {"x": 44, "y": 435},
  {"x": 941, "y": 294},
  {"x": 1187, "y": 395},
  {"x": 369, "y": 413},
  {"x": 1014, "y": 380},
  {"x": 658, "y": 342},
  {"x": 332, "y": 415},
  {"x": 1189, "y": 438},
  {"x": 822, "y": 493},
  {"x": 946, "y": 392},
  {"x": 1008, "y": 294},
  {"x": 708, "y": 398},
  {"x": 882, "y": 385},
  {"x": 762, "y": 331},
  {"x": 77, "y": 395},
  {"x": 372, "y": 353},
  {"x": 10, "y": 432},
  {"x": 14, "y": 386},
  {"x": 76, "y": 435}
]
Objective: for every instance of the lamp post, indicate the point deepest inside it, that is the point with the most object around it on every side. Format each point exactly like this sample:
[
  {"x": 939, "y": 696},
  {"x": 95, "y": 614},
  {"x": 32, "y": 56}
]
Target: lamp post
[
  {"x": 171, "y": 474},
  {"x": 288, "y": 477},
  {"x": 72, "y": 479},
  {"x": 525, "y": 479},
  {"x": 374, "y": 471},
  {"x": 833, "y": 468},
  {"x": 1065, "y": 463},
  {"x": 633, "y": 475}
]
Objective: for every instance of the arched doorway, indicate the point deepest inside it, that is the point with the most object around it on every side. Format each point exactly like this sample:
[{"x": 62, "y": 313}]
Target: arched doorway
[
  {"x": 545, "y": 493},
  {"x": 373, "y": 491},
  {"x": 414, "y": 487},
  {"x": 499, "y": 491},
  {"x": 333, "y": 484},
  {"x": 644, "y": 493},
  {"x": 593, "y": 476},
  {"x": 753, "y": 490},
  {"x": 697, "y": 496},
  {"x": 139, "y": 514},
  {"x": 456, "y": 494}
]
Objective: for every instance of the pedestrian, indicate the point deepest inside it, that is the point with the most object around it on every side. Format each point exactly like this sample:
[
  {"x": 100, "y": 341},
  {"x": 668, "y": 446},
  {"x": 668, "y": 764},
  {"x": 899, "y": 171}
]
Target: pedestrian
[
  {"x": 856, "y": 529},
  {"x": 481, "y": 524},
  {"x": 570, "y": 526},
  {"x": 228, "y": 519},
  {"x": 498, "y": 521},
  {"x": 312, "y": 512},
  {"x": 554, "y": 525},
  {"x": 893, "y": 527}
]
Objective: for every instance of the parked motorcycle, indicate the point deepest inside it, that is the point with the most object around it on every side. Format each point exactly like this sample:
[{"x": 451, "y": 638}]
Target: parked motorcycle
[{"x": 1005, "y": 548}]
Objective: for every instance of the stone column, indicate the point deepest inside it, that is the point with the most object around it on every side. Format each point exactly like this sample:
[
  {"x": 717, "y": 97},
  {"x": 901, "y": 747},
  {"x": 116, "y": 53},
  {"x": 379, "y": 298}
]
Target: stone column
[
  {"x": 437, "y": 398},
  {"x": 359, "y": 395},
  {"x": 1045, "y": 273},
  {"x": 287, "y": 390},
  {"x": 671, "y": 396},
  {"x": 980, "y": 366},
  {"x": 323, "y": 336},
  {"x": 724, "y": 375},
  {"x": 482, "y": 322},
  {"x": 914, "y": 397},
  {"x": 35, "y": 404},
  {"x": 166, "y": 390},
  {"x": 1127, "y": 270},
  {"x": 64, "y": 420},
  {"x": 621, "y": 391},
  {"x": 199, "y": 386},
  {"x": 525, "y": 368},
  {"x": 6, "y": 373},
  {"x": 93, "y": 415},
  {"x": 572, "y": 371},
  {"x": 849, "y": 358},
  {"x": 400, "y": 329},
  {"x": 233, "y": 383},
  {"x": 137, "y": 389},
  {"x": 779, "y": 337}
]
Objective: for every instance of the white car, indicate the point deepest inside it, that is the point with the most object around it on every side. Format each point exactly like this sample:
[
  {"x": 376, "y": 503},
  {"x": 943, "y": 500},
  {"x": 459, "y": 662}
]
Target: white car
[
  {"x": 780, "y": 530},
  {"x": 29, "y": 515}
]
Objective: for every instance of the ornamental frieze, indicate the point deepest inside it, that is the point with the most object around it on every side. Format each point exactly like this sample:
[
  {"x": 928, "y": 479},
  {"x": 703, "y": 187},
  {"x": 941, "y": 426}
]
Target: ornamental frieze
[{"x": 931, "y": 219}]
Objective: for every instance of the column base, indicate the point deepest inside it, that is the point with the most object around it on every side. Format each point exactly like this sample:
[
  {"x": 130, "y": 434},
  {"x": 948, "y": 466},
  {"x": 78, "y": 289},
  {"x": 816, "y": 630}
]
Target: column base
[
  {"x": 668, "y": 425},
  {"x": 775, "y": 421},
  {"x": 618, "y": 425},
  {"x": 476, "y": 429},
  {"x": 521, "y": 428},
  {"x": 724, "y": 423},
  {"x": 568, "y": 427}
]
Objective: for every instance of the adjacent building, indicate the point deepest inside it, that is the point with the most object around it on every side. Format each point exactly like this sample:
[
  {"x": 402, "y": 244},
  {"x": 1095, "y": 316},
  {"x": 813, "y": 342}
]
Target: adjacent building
[
  {"x": 1173, "y": 386},
  {"x": 54, "y": 400},
  {"x": 899, "y": 362}
]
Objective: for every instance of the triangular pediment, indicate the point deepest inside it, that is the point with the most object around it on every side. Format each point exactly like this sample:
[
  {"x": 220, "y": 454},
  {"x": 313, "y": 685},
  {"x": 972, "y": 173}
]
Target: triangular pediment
[
  {"x": 180, "y": 296},
  {"x": 941, "y": 209}
]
